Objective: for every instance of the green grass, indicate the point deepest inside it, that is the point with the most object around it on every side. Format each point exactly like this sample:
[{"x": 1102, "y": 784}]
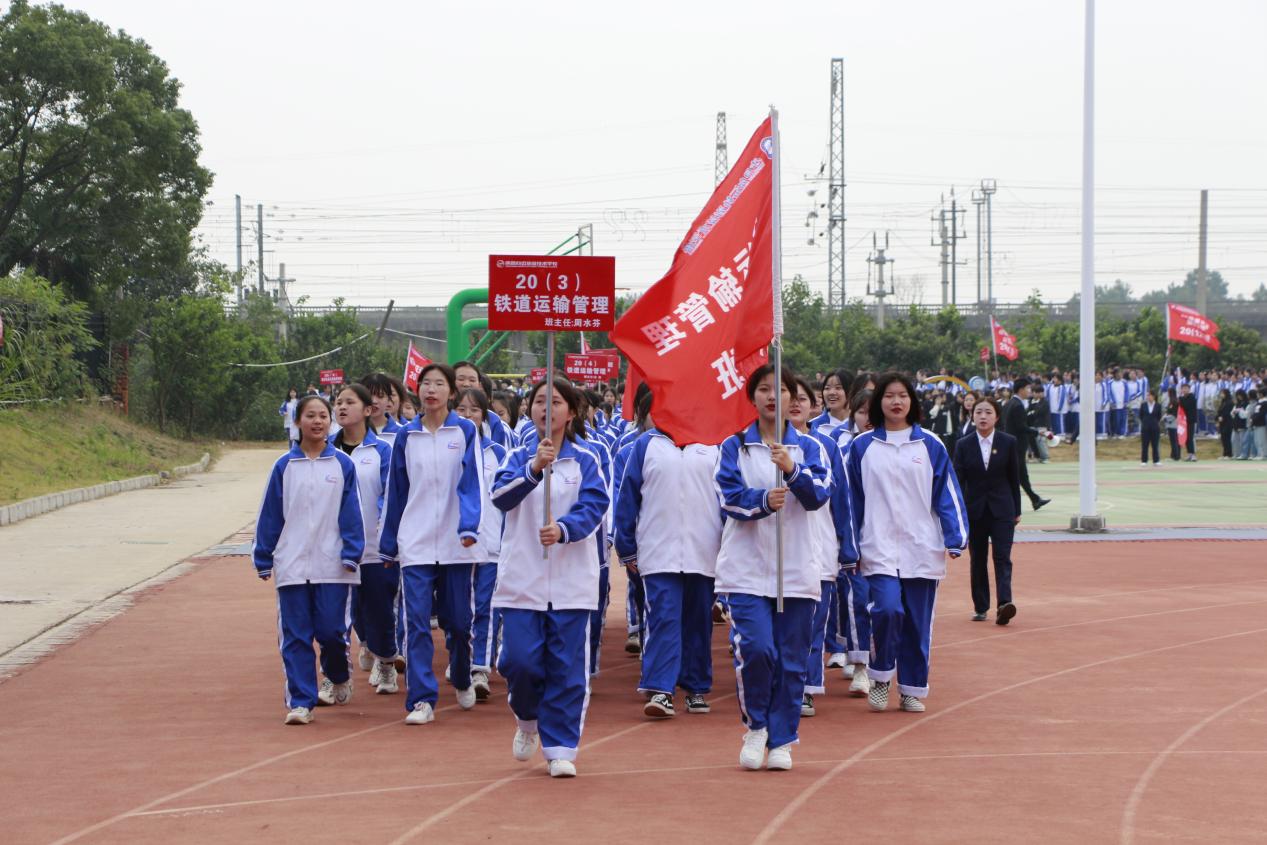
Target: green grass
[{"x": 57, "y": 447}]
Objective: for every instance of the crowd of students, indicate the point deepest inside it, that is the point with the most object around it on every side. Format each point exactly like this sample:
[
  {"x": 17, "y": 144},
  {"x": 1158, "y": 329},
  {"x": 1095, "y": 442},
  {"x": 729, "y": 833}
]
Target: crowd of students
[{"x": 458, "y": 507}]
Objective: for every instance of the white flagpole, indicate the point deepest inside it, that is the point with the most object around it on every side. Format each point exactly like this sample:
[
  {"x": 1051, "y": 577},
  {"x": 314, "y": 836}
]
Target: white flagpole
[
  {"x": 776, "y": 278},
  {"x": 1087, "y": 519}
]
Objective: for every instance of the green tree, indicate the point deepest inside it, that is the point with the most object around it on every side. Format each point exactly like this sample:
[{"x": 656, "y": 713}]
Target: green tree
[
  {"x": 1260, "y": 293},
  {"x": 99, "y": 174},
  {"x": 1186, "y": 291},
  {"x": 45, "y": 335}
]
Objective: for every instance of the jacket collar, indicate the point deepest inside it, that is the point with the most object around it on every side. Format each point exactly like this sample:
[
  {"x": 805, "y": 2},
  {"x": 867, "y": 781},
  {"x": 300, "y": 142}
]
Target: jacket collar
[
  {"x": 881, "y": 434},
  {"x": 297, "y": 454},
  {"x": 369, "y": 439},
  {"x": 451, "y": 421},
  {"x": 752, "y": 434}
]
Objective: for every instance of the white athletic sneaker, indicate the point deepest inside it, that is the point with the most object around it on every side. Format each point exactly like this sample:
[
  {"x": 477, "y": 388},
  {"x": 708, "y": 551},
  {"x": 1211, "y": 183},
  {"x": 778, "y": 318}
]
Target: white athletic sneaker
[
  {"x": 376, "y": 674},
  {"x": 479, "y": 683},
  {"x": 325, "y": 694},
  {"x": 299, "y": 716},
  {"x": 421, "y": 714},
  {"x": 448, "y": 673},
  {"x": 752, "y": 755},
  {"x": 343, "y": 692},
  {"x": 388, "y": 678},
  {"x": 525, "y": 745},
  {"x": 861, "y": 684},
  {"x": 466, "y": 698},
  {"x": 837, "y": 660},
  {"x": 878, "y": 697},
  {"x": 364, "y": 659},
  {"x": 562, "y": 769},
  {"x": 911, "y": 704},
  {"x": 780, "y": 759},
  {"x": 847, "y": 671}
]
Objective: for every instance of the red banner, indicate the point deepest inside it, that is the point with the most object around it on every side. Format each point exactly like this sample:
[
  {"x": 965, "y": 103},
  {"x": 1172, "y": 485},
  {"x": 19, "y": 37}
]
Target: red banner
[
  {"x": 332, "y": 376},
  {"x": 697, "y": 333},
  {"x": 533, "y": 293},
  {"x": 1181, "y": 426},
  {"x": 591, "y": 368},
  {"x": 1189, "y": 325},
  {"x": 414, "y": 362},
  {"x": 985, "y": 353},
  {"x": 1004, "y": 343}
]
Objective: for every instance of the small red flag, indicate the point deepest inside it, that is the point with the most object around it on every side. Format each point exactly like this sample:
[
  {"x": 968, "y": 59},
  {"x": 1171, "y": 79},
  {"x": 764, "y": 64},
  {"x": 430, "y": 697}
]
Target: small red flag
[
  {"x": 414, "y": 362},
  {"x": 1004, "y": 343}
]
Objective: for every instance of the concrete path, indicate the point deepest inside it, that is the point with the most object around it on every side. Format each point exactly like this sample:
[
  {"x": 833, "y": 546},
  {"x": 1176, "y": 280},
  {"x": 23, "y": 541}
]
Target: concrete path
[{"x": 58, "y": 566}]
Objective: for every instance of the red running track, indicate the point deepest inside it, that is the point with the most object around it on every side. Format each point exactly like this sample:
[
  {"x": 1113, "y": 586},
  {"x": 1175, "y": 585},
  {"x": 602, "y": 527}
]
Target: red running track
[{"x": 1126, "y": 703}]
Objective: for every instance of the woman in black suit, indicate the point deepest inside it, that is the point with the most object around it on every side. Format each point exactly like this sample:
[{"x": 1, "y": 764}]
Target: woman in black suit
[
  {"x": 1150, "y": 429},
  {"x": 988, "y": 464}
]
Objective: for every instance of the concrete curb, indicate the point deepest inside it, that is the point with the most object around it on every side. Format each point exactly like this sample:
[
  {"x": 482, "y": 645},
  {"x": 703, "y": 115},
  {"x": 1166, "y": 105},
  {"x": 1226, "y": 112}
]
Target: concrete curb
[{"x": 28, "y": 508}]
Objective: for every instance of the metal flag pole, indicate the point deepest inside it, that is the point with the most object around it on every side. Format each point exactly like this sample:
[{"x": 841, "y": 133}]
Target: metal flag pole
[
  {"x": 776, "y": 279},
  {"x": 545, "y": 550}
]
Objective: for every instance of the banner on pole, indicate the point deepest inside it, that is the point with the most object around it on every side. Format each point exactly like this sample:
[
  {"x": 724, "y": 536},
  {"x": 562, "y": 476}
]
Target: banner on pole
[
  {"x": 1188, "y": 325},
  {"x": 698, "y": 333},
  {"x": 1181, "y": 426},
  {"x": 591, "y": 368},
  {"x": 414, "y": 362},
  {"x": 537, "y": 374},
  {"x": 331, "y": 377},
  {"x": 550, "y": 293},
  {"x": 1004, "y": 343},
  {"x": 985, "y": 353}
]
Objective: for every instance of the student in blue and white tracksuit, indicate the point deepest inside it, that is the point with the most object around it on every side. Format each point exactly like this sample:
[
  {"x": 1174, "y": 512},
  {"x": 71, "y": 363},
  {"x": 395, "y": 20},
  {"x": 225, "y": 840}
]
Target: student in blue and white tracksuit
[
  {"x": 826, "y": 547},
  {"x": 310, "y": 537},
  {"x": 635, "y": 590},
  {"x": 771, "y": 649},
  {"x": 473, "y": 406},
  {"x": 547, "y": 581},
  {"x": 852, "y": 590},
  {"x": 909, "y": 514},
  {"x": 668, "y": 529},
  {"x": 431, "y": 525},
  {"x": 374, "y": 601}
]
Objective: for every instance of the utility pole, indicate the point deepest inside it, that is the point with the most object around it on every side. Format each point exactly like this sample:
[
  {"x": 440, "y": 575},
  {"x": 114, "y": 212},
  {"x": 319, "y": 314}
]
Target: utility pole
[
  {"x": 978, "y": 199},
  {"x": 836, "y": 191},
  {"x": 988, "y": 187},
  {"x": 1202, "y": 282},
  {"x": 879, "y": 291},
  {"x": 956, "y": 234},
  {"x": 721, "y": 159},
  {"x": 259, "y": 240},
  {"x": 237, "y": 231},
  {"x": 943, "y": 240},
  {"x": 282, "y": 298}
]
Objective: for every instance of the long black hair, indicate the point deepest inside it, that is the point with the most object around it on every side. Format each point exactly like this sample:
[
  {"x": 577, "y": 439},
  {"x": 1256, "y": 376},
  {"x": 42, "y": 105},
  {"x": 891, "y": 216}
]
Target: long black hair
[{"x": 876, "y": 412}]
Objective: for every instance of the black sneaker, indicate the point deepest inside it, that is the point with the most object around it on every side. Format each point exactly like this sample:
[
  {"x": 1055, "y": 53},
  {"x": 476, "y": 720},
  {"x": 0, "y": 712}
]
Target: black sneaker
[
  {"x": 660, "y": 706},
  {"x": 696, "y": 703},
  {"x": 807, "y": 705},
  {"x": 633, "y": 643}
]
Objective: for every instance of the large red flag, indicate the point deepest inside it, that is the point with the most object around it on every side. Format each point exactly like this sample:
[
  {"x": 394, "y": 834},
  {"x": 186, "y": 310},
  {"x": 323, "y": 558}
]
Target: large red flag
[
  {"x": 697, "y": 334},
  {"x": 1191, "y": 326},
  {"x": 1004, "y": 343}
]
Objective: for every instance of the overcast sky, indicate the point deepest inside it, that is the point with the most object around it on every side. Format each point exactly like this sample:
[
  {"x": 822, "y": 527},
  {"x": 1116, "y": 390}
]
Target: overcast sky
[{"x": 395, "y": 145}]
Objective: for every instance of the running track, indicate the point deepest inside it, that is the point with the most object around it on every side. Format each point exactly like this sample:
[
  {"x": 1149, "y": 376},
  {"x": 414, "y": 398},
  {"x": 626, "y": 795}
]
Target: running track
[{"x": 1126, "y": 703}]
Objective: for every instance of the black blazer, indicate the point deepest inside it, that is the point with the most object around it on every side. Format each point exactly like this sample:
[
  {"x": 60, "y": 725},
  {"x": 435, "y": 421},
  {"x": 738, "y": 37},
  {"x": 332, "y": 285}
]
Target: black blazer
[
  {"x": 1150, "y": 420},
  {"x": 1014, "y": 420},
  {"x": 998, "y": 486}
]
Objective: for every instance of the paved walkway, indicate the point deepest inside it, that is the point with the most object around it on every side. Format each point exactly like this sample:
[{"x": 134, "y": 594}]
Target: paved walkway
[{"x": 58, "y": 566}]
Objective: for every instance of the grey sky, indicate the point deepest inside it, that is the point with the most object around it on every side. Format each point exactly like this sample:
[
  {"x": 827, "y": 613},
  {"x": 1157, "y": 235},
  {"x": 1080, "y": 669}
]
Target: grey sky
[{"x": 403, "y": 142}]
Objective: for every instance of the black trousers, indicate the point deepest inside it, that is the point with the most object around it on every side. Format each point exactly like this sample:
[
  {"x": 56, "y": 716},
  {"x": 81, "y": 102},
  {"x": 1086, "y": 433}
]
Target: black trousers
[
  {"x": 1225, "y": 436},
  {"x": 1174, "y": 443},
  {"x": 1150, "y": 438},
  {"x": 981, "y": 532},
  {"x": 1029, "y": 491}
]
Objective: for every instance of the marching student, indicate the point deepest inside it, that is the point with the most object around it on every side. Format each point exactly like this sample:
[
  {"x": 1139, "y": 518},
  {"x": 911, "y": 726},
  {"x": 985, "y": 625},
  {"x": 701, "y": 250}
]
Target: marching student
[
  {"x": 409, "y": 408},
  {"x": 852, "y": 591},
  {"x": 835, "y": 388},
  {"x": 471, "y": 377},
  {"x": 826, "y": 546},
  {"x": 287, "y": 412},
  {"x": 387, "y": 392},
  {"x": 310, "y": 536},
  {"x": 909, "y": 514},
  {"x": 431, "y": 526},
  {"x": 635, "y": 590},
  {"x": 473, "y": 406},
  {"x": 374, "y": 600},
  {"x": 675, "y": 557},
  {"x": 547, "y": 580},
  {"x": 771, "y": 649}
]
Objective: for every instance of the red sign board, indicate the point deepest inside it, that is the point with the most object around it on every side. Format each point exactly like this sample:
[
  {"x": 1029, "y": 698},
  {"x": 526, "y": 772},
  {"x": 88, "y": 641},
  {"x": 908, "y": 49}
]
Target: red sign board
[
  {"x": 537, "y": 374},
  {"x": 533, "y": 293},
  {"x": 591, "y": 368},
  {"x": 332, "y": 376}
]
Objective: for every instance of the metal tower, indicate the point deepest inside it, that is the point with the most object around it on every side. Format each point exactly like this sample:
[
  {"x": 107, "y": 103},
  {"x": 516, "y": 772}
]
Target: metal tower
[
  {"x": 721, "y": 163},
  {"x": 836, "y": 191}
]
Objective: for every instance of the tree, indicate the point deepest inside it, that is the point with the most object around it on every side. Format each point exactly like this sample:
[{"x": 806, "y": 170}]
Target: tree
[
  {"x": 99, "y": 173},
  {"x": 45, "y": 334},
  {"x": 1186, "y": 292},
  {"x": 1119, "y": 291},
  {"x": 1260, "y": 293}
]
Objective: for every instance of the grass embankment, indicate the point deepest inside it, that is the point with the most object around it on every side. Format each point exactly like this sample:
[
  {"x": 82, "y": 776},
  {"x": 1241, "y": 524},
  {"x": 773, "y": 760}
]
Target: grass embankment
[{"x": 49, "y": 448}]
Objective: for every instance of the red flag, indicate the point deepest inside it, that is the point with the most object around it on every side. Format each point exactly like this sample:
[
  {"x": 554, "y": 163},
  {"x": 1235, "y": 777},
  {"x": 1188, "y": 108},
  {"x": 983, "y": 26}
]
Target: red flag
[
  {"x": 1191, "y": 326},
  {"x": 1181, "y": 425},
  {"x": 1004, "y": 343},
  {"x": 414, "y": 362},
  {"x": 985, "y": 353},
  {"x": 697, "y": 334}
]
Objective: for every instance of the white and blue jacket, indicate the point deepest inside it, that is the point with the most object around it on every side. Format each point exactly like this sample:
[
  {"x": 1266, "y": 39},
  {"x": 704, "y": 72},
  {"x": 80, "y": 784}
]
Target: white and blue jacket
[
  {"x": 746, "y": 562},
  {"x": 567, "y": 577},
  {"x": 907, "y": 507},
  {"x": 836, "y": 547},
  {"x": 497, "y": 431},
  {"x": 388, "y": 432},
  {"x": 434, "y": 495},
  {"x": 310, "y": 529},
  {"x": 666, "y": 513},
  {"x": 372, "y": 459},
  {"x": 826, "y": 423},
  {"x": 493, "y": 519}
]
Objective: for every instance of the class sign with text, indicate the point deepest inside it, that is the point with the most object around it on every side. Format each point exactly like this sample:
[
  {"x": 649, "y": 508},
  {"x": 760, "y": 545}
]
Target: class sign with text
[{"x": 552, "y": 293}]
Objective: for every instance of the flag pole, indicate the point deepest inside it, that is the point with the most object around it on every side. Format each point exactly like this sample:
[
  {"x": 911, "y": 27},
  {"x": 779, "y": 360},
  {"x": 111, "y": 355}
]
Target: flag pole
[
  {"x": 776, "y": 278},
  {"x": 545, "y": 550}
]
